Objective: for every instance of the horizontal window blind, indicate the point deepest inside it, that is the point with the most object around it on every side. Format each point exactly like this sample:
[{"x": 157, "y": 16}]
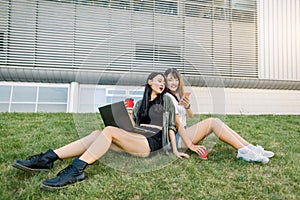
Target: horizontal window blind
[{"x": 206, "y": 37}]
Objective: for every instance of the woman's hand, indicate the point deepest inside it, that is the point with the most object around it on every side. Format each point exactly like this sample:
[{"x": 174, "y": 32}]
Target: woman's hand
[
  {"x": 130, "y": 112},
  {"x": 185, "y": 101},
  {"x": 181, "y": 155},
  {"x": 197, "y": 149}
]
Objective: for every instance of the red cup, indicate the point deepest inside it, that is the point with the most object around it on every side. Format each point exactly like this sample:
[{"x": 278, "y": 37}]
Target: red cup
[
  {"x": 205, "y": 154},
  {"x": 129, "y": 103}
]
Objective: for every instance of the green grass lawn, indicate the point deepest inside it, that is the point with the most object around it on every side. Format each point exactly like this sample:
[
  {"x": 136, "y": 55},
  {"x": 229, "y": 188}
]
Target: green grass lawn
[{"x": 120, "y": 176}]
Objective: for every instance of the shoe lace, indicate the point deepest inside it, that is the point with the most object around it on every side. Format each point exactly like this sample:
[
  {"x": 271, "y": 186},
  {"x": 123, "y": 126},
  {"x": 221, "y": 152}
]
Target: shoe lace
[
  {"x": 35, "y": 157},
  {"x": 259, "y": 150},
  {"x": 66, "y": 170}
]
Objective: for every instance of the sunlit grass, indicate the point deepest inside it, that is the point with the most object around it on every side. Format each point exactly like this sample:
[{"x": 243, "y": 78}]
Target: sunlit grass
[{"x": 119, "y": 176}]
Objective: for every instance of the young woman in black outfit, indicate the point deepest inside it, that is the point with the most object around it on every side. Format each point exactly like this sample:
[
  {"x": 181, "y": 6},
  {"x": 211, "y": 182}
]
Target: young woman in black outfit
[{"x": 148, "y": 113}]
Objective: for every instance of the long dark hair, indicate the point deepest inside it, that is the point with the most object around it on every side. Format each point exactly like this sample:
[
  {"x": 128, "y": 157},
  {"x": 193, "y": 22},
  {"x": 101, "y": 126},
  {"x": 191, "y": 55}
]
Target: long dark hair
[
  {"x": 176, "y": 74},
  {"x": 143, "y": 109}
]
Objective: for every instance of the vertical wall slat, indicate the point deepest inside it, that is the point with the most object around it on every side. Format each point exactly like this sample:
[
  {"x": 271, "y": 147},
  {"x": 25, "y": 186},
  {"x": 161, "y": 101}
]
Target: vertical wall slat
[
  {"x": 279, "y": 39},
  {"x": 297, "y": 43}
]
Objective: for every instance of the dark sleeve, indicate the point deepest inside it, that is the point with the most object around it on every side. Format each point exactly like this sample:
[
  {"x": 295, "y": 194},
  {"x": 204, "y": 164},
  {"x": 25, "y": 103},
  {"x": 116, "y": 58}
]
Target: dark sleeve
[
  {"x": 169, "y": 107},
  {"x": 135, "y": 110}
]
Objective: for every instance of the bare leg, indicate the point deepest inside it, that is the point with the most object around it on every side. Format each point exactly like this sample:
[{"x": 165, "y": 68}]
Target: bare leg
[
  {"x": 77, "y": 147},
  {"x": 200, "y": 130},
  {"x": 115, "y": 148},
  {"x": 132, "y": 143}
]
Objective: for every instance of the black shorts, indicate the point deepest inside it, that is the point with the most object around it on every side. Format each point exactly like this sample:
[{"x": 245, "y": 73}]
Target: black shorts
[{"x": 155, "y": 141}]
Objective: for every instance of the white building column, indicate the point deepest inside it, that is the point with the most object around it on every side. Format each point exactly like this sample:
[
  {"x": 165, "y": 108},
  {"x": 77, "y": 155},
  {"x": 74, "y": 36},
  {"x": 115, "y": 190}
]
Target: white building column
[{"x": 73, "y": 97}]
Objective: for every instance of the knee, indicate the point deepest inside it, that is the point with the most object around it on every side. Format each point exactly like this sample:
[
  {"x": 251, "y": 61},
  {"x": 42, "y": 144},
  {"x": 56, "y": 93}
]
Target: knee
[
  {"x": 215, "y": 121},
  {"x": 96, "y": 133},
  {"x": 111, "y": 133},
  {"x": 109, "y": 130}
]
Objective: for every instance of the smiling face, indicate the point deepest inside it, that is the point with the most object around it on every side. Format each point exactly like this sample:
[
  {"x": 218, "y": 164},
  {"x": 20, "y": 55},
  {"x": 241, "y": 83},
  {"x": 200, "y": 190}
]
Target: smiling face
[
  {"x": 157, "y": 84},
  {"x": 173, "y": 83}
]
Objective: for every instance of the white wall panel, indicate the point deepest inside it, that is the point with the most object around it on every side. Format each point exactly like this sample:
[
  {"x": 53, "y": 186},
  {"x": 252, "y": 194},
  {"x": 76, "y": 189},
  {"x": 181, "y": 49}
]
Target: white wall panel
[
  {"x": 244, "y": 101},
  {"x": 279, "y": 39}
]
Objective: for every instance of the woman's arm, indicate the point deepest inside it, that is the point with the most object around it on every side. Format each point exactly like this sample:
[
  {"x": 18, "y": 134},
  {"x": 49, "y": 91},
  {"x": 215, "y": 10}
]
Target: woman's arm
[
  {"x": 185, "y": 101},
  {"x": 173, "y": 141},
  {"x": 169, "y": 106},
  {"x": 174, "y": 146},
  {"x": 134, "y": 116},
  {"x": 130, "y": 113},
  {"x": 189, "y": 112}
]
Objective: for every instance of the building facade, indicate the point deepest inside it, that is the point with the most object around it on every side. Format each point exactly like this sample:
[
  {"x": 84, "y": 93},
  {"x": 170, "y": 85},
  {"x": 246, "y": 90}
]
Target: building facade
[{"x": 236, "y": 56}]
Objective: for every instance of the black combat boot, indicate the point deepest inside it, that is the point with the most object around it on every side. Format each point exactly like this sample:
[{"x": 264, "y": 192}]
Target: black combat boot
[
  {"x": 71, "y": 174},
  {"x": 37, "y": 163}
]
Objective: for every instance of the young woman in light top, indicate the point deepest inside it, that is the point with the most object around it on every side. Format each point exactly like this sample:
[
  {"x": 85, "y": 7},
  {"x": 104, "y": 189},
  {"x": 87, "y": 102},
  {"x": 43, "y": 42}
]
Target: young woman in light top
[{"x": 189, "y": 137}]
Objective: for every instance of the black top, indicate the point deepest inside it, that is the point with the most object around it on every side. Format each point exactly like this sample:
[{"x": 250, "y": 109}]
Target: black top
[{"x": 155, "y": 114}]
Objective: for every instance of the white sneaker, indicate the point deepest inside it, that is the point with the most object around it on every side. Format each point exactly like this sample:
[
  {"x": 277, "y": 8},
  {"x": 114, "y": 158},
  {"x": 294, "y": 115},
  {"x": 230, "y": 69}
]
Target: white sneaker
[
  {"x": 249, "y": 155},
  {"x": 260, "y": 150}
]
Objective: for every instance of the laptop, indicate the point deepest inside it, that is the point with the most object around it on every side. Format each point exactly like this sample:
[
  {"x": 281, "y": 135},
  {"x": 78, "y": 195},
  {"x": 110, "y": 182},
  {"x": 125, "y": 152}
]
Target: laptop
[{"x": 116, "y": 115}]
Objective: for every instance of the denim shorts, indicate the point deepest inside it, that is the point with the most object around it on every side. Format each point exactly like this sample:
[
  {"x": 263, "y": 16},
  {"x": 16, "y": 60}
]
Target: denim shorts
[{"x": 178, "y": 140}]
